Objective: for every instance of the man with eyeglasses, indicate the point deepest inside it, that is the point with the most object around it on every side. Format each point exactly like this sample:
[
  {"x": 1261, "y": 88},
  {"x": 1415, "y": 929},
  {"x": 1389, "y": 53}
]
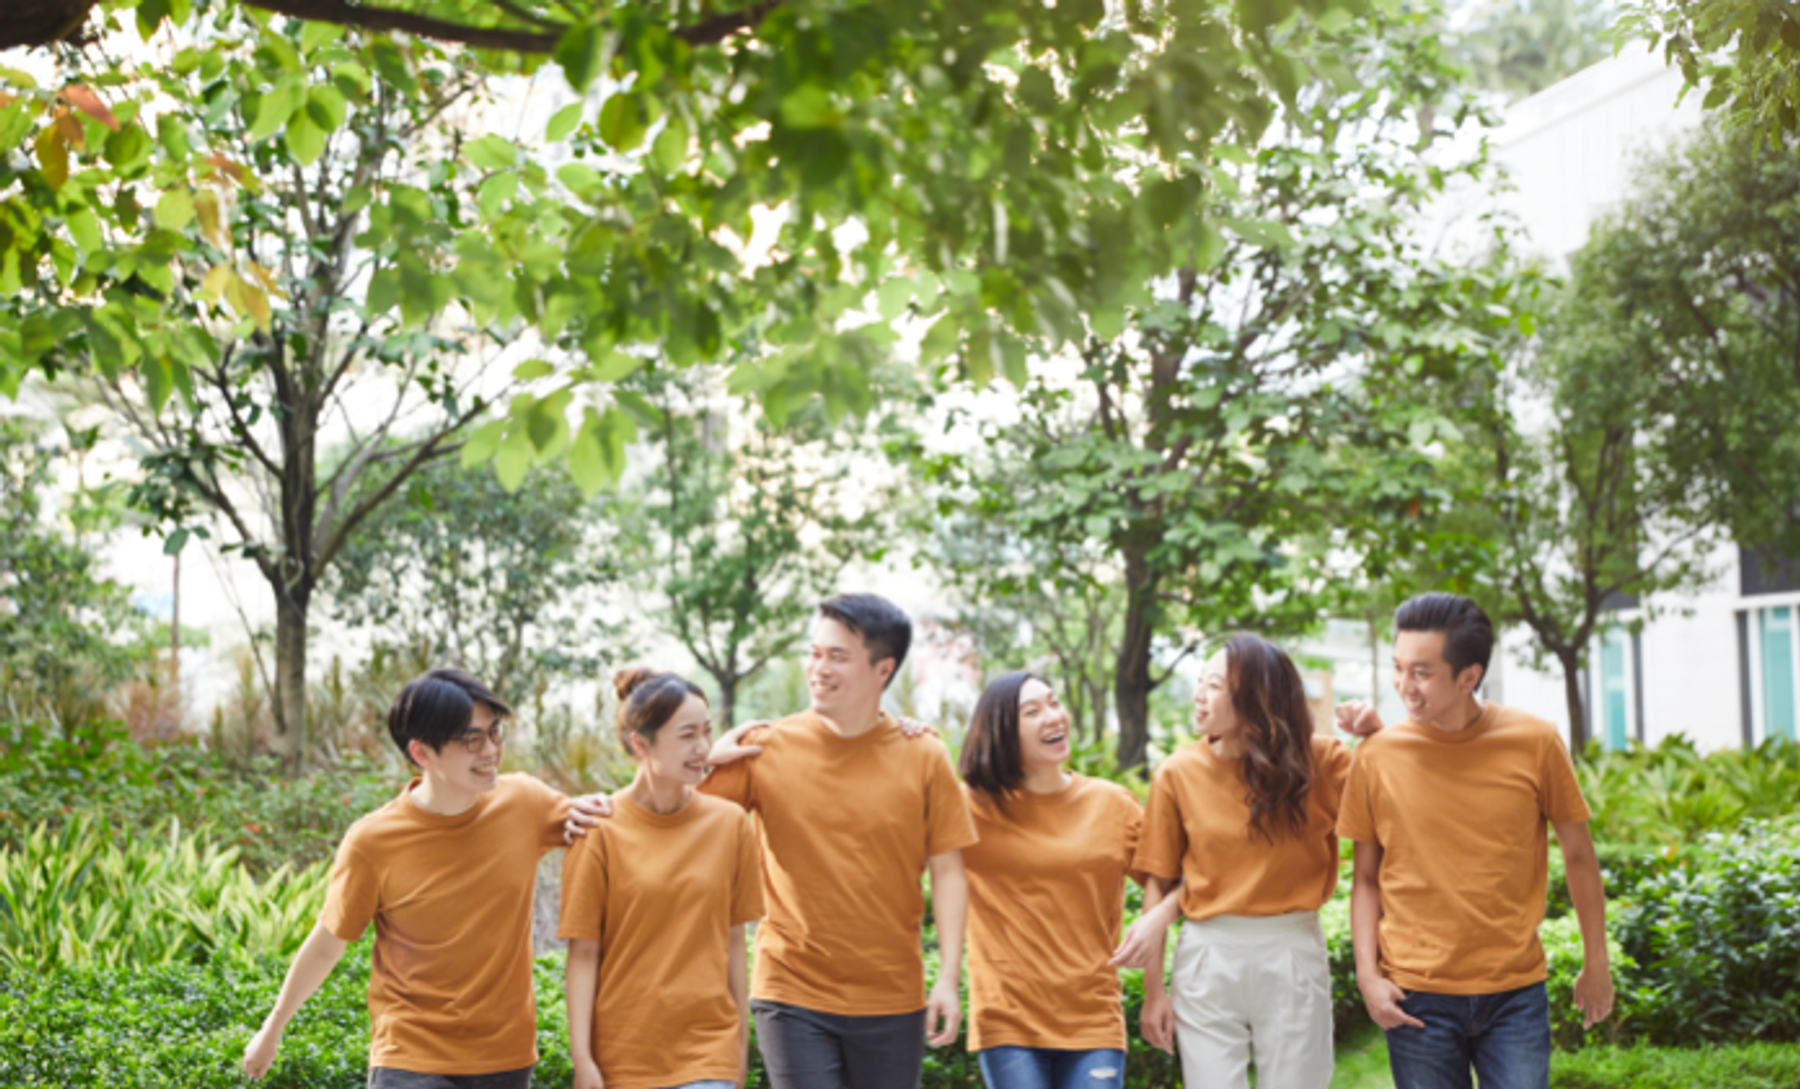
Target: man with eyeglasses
[{"x": 446, "y": 873}]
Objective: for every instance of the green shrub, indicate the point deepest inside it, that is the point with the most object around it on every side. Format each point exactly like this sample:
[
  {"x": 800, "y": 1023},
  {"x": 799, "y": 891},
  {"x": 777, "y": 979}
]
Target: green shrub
[
  {"x": 1671, "y": 794},
  {"x": 99, "y": 773},
  {"x": 85, "y": 892},
  {"x": 1740, "y": 1066},
  {"x": 1716, "y": 942}
]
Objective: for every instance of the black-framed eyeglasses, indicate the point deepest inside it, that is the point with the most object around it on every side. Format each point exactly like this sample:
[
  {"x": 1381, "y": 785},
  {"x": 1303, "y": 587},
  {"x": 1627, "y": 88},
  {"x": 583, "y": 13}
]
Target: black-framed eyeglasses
[{"x": 476, "y": 740}]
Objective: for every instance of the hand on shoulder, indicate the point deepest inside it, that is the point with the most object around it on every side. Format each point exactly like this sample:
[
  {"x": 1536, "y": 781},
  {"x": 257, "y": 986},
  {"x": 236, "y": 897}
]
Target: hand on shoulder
[{"x": 1358, "y": 718}]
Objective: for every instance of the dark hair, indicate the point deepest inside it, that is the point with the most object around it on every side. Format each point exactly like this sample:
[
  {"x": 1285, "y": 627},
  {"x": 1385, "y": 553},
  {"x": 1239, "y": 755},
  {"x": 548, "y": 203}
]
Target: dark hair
[
  {"x": 991, "y": 762},
  {"x": 1269, "y": 699},
  {"x": 648, "y": 700},
  {"x": 436, "y": 706},
  {"x": 1468, "y": 633},
  {"x": 884, "y": 629}
]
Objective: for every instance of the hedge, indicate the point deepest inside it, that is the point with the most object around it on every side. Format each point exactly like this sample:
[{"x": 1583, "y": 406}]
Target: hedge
[{"x": 1738, "y": 1066}]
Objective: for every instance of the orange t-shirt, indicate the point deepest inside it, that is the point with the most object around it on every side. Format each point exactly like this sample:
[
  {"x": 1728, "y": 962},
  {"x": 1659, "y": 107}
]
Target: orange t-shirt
[
  {"x": 847, "y": 826},
  {"x": 450, "y": 989},
  {"x": 660, "y": 893},
  {"x": 1046, "y": 893},
  {"x": 1197, "y": 828},
  {"x": 1461, "y": 821}
]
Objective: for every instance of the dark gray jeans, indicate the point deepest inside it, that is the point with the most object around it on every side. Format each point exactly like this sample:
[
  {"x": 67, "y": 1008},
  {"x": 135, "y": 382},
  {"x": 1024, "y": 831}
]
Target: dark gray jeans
[
  {"x": 382, "y": 1077},
  {"x": 807, "y": 1049}
]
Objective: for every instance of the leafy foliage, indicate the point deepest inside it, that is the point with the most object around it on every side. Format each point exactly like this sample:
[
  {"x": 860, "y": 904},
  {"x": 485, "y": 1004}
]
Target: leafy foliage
[
  {"x": 1674, "y": 796},
  {"x": 465, "y": 572},
  {"x": 100, "y": 775},
  {"x": 1520, "y": 47},
  {"x": 992, "y": 158},
  {"x": 1265, "y": 398},
  {"x": 1717, "y": 948},
  {"x": 1695, "y": 282},
  {"x": 743, "y": 526},
  {"x": 84, "y": 893},
  {"x": 1745, "y": 52},
  {"x": 66, "y": 631}
]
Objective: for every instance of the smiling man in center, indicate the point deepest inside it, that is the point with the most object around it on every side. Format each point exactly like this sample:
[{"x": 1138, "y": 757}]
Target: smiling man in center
[{"x": 851, "y": 813}]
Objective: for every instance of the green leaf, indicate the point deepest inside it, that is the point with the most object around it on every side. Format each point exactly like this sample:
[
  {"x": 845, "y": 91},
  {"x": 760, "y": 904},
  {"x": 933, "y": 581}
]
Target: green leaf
[
  {"x": 305, "y": 140},
  {"x": 175, "y": 209},
  {"x": 579, "y": 177},
  {"x": 892, "y": 298},
  {"x": 533, "y": 368},
  {"x": 563, "y": 122},
  {"x": 275, "y": 109},
  {"x": 175, "y": 542},
  {"x": 580, "y": 53},
  {"x": 483, "y": 443},
  {"x": 313, "y": 34},
  {"x": 613, "y": 366},
  {"x": 326, "y": 106},
  {"x": 492, "y": 153},
  {"x": 128, "y": 147},
  {"x": 495, "y": 192},
  {"x": 622, "y": 123},
  {"x": 513, "y": 460},
  {"x": 392, "y": 66},
  {"x": 671, "y": 148},
  {"x": 809, "y": 106}
]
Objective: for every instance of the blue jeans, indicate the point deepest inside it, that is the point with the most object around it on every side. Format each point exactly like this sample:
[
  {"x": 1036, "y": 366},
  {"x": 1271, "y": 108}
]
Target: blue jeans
[
  {"x": 1505, "y": 1037},
  {"x": 707, "y": 1085},
  {"x": 1049, "y": 1068}
]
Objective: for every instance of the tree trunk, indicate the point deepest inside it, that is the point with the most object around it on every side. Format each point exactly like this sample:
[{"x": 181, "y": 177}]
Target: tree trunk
[
  {"x": 1578, "y": 724},
  {"x": 290, "y": 677},
  {"x": 1131, "y": 680},
  {"x": 727, "y": 712}
]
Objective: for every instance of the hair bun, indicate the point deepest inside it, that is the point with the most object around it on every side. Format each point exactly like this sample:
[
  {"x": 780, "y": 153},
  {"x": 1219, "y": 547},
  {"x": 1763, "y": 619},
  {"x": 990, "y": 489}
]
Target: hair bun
[{"x": 630, "y": 679}]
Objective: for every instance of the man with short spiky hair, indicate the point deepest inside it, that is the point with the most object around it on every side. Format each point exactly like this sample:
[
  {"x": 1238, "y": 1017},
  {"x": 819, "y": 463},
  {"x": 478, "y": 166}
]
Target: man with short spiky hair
[
  {"x": 1450, "y": 812},
  {"x": 446, "y": 873},
  {"x": 851, "y": 812}
]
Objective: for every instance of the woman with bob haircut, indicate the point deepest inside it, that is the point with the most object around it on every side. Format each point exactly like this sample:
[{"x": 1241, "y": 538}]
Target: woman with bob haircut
[
  {"x": 1046, "y": 896},
  {"x": 1244, "y": 820},
  {"x": 654, "y": 903}
]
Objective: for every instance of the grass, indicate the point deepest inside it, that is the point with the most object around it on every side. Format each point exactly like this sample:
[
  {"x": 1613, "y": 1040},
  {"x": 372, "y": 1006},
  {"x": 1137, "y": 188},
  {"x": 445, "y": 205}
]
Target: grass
[{"x": 1362, "y": 1061}]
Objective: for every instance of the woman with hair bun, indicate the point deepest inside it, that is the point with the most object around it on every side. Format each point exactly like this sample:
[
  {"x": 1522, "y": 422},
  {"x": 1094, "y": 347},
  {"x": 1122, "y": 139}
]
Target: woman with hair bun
[
  {"x": 654, "y": 903},
  {"x": 1245, "y": 821},
  {"x": 1046, "y": 896}
]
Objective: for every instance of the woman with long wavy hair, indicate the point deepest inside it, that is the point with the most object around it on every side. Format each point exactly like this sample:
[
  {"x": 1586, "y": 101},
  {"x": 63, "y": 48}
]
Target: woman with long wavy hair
[
  {"x": 1245, "y": 820},
  {"x": 1046, "y": 897}
]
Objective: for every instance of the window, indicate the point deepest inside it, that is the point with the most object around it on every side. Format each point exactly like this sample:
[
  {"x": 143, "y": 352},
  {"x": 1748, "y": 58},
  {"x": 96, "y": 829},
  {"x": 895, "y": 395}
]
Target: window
[
  {"x": 1775, "y": 636},
  {"x": 1615, "y": 652}
]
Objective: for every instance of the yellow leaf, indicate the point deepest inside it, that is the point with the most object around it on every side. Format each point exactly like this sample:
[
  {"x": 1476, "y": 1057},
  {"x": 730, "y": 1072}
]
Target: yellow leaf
[
  {"x": 53, "y": 157},
  {"x": 206, "y": 207},
  {"x": 268, "y": 281},
  {"x": 217, "y": 281}
]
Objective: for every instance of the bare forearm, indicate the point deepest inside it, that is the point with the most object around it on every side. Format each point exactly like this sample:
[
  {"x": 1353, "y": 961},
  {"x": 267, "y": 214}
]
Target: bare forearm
[
  {"x": 581, "y": 980},
  {"x": 950, "y": 910},
  {"x": 1365, "y": 912},
  {"x": 317, "y": 957},
  {"x": 1587, "y": 891}
]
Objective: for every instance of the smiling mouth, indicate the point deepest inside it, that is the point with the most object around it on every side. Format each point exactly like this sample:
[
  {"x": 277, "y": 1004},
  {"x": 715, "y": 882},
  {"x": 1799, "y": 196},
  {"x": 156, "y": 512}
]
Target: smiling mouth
[{"x": 1054, "y": 739}]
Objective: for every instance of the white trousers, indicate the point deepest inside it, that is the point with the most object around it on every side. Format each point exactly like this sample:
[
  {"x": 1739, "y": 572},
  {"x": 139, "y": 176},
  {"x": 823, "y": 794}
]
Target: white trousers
[{"x": 1257, "y": 987}]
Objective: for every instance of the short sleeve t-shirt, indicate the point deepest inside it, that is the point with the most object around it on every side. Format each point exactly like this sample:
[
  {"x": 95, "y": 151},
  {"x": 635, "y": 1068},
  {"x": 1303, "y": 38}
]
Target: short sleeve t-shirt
[
  {"x": 847, "y": 825},
  {"x": 1463, "y": 824},
  {"x": 1046, "y": 894},
  {"x": 660, "y": 893},
  {"x": 450, "y": 897},
  {"x": 1197, "y": 828}
]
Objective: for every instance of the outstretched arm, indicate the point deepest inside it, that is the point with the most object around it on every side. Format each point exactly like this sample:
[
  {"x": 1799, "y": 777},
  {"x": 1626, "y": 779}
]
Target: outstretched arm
[
  {"x": 950, "y": 907},
  {"x": 312, "y": 964}
]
